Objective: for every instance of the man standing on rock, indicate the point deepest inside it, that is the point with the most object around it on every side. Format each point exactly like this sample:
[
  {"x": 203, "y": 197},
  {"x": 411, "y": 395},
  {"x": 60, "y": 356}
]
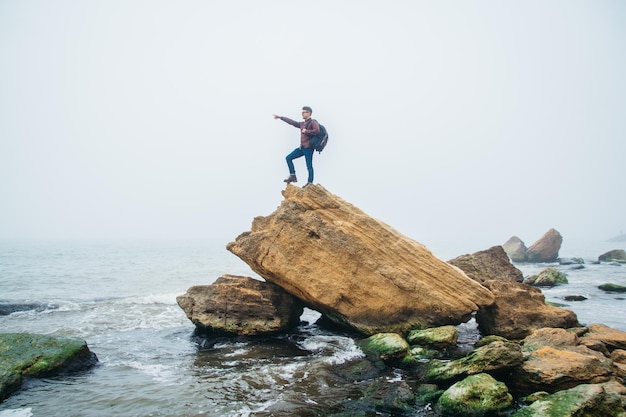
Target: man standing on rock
[{"x": 308, "y": 128}]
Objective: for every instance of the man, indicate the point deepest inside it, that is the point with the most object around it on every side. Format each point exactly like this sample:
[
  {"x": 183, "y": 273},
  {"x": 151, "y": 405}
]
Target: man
[{"x": 308, "y": 128}]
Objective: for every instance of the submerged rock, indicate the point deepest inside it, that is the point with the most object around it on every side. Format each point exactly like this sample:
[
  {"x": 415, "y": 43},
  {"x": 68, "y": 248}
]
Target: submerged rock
[
  {"x": 476, "y": 395},
  {"x": 489, "y": 264},
  {"x": 612, "y": 287},
  {"x": 546, "y": 249},
  {"x": 235, "y": 305},
  {"x": 357, "y": 271},
  {"x": 33, "y": 355},
  {"x": 520, "y": 309}
]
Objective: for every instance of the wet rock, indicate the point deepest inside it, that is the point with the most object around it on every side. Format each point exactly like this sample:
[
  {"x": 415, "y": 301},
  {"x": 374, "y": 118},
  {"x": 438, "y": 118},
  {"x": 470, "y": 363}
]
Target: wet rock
[
  {"x": 389, "y": 396},
  {"x": 586, "y": 400},
  {"x": 356, "y": 270},
  {"x": 476, "y": 395},
  {"x": 615, "y": 255},
  {"x": 549, "y": 277},
  {"x": 515, "y": 249},
  {"x": 574, "y": 298},
  {"x": 388, "y": 347},
  {"x": 489, "y": 264},
  {"x": 494, "y": 358},
  {"x": 236, "y": 305},
  {"x": 612, "y": 288},
  {"x": 438, "y": 337},
  {"x": 546, "y": 249},
  {"x": 33, "y": 355},
  {"x": 520, "y": 309}
]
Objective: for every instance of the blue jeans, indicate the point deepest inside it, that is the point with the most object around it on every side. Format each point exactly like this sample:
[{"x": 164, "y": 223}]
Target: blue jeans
[{"x": 297, "y": 153}]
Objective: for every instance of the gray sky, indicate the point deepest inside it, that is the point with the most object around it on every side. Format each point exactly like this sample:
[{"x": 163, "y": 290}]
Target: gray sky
[{"x": 453, "y": 121}]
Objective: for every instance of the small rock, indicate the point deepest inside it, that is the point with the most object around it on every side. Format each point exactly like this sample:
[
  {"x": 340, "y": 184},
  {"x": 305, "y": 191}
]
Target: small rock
[
  {"x": 615, "y": 255},
  {"x": 612, "y": 288},
  {"x": 438, "y": 337}
]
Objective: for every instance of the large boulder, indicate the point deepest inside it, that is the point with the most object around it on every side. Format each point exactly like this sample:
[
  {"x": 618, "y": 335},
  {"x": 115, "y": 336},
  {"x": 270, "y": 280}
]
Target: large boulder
[
  {"x": 485, "y": 265},
  {"x": 34, "y": 355},
  {"x": 516, "y": 249},
  {"x": 356, "y": 270},
  {"x": 615, "y": 255},
  {"x": 235, "y": 305},
  {"x": 546, "y": 249},
  {"x": 520, "y": 309}
]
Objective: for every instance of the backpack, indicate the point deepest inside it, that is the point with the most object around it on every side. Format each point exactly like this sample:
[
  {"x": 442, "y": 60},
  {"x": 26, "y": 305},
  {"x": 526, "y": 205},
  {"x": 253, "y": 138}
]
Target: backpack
[{"x": 319, "y": 141}]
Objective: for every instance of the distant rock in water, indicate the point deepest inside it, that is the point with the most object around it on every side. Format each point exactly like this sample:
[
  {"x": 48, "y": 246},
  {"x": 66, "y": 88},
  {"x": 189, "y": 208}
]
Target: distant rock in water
[
  {"x": 235, "y": 305},
  {"x": 516, "y": 249},
  {"x": 546, "y": 249},
  {"x": 485, "y": 265},
  {"x": 357, "y": 271},
  {"x": 615, "y": 255}
]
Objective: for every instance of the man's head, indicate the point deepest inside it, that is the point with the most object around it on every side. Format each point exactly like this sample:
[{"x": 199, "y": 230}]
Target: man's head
[{"x": 306, "y": 112}]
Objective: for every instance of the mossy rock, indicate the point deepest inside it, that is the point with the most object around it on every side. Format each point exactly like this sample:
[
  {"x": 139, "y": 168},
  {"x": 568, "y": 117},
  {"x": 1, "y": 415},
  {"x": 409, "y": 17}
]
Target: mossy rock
[
  {"x": 388, "y": 347},
  {"x": 549, "y": 277},
  {"x": 612, "y": 288},
  {"x": 615, "y": 255},
  {"x": 496, "y": 357},
  {"x": 476, "y": 395},
  {"x": 586, "y": 400},
  {"x": 437, "y": 337},
  {"x": 33, "y": 355}
]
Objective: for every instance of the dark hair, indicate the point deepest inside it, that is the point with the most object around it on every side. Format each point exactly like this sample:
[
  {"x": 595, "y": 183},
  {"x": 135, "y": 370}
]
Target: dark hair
[{"x": 307, "y": 108}]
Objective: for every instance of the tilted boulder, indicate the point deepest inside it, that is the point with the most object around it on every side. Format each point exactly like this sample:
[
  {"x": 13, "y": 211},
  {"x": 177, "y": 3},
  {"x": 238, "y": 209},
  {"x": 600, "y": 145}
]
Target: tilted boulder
[
  {"x": 546, "y": 249},
  {"x": 356, "y": 270},
  {"x": 485, "y": 265},
  {"x": 520, "y": 309},
  {"x": 235, "y": 305},
  {"x": 516, "y": 249}
]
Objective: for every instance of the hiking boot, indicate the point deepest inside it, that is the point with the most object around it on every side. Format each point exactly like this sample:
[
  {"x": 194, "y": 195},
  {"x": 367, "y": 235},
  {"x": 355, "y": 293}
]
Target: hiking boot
[
  {"x": 307, "y": 184},
  {"x": 292, "y": 178}
]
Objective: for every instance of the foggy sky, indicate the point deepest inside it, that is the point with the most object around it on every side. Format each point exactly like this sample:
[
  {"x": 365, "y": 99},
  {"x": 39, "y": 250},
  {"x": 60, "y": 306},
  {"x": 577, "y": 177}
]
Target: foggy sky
[{"x": 460, "y": 122}]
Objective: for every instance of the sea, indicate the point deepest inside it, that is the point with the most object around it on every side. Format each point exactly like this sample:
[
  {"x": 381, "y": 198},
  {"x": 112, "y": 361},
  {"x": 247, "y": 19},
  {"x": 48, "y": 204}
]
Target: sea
[{"x": 120, "y": 297}]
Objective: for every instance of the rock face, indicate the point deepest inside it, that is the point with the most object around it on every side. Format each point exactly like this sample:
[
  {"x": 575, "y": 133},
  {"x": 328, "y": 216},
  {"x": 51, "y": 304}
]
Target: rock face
[
  {"x": 354, "y": 269},
  {"x": 516, "y": 249},
  {"x": 33, "y": 355},
  {"x": 546, "y": 249},
  {"x": 489, "y": 264},
  {"x": 235, "y": 305},
  {"x": 520, "y": 309}
]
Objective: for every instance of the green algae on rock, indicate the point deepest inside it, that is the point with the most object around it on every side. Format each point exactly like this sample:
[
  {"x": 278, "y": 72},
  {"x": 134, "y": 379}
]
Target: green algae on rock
[{"x": 33, "y": 355}]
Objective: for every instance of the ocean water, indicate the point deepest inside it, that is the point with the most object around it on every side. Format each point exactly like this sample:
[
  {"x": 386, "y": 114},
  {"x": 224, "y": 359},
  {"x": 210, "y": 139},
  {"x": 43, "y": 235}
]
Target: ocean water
[{"x": 120, "y": 296}]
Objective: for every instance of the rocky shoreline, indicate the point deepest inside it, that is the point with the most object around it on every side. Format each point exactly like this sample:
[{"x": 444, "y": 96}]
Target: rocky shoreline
[{"x": 364, "y": 277}]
